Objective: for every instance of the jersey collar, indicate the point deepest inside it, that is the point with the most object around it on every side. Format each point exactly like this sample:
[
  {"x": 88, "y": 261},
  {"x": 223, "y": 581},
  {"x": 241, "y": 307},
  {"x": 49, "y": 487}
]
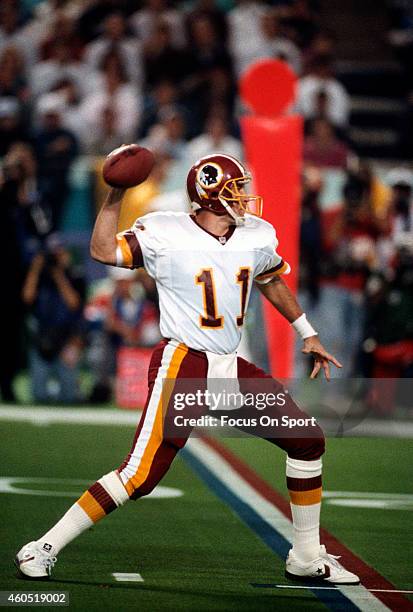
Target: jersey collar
[{"x": 221, "y": 239}]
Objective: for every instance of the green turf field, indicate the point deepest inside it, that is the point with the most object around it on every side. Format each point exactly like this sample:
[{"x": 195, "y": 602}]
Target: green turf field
[
  {"x": 379, "y": 536},
  {"x": 192, "y": 551}
]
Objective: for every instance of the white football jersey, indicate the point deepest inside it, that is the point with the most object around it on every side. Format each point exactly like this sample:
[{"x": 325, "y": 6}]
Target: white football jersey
[{"x": 204, "y": 282}]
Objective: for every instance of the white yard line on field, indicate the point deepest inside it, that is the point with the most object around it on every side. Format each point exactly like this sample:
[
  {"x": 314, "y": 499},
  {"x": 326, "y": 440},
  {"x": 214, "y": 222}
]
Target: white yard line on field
[
  {"x": 73, "y": 416},
  {"x": 333, "y": 588},
  {"x": 124, "y": 577}
]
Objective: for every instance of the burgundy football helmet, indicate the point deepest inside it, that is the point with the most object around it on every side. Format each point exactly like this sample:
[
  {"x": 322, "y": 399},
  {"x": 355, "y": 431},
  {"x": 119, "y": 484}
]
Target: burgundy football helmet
[{"x": 216, "y": 182}]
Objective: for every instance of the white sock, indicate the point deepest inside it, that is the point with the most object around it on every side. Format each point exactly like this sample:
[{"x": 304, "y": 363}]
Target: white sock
[
  {"x": 72, "y": 524},
  {"x": 107, "y": 494},
  {"x": 304, "y": 484}
]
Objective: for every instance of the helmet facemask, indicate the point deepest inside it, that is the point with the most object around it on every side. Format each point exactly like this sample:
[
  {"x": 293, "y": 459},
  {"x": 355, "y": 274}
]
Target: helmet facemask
[{"x": 233, "y": 193}]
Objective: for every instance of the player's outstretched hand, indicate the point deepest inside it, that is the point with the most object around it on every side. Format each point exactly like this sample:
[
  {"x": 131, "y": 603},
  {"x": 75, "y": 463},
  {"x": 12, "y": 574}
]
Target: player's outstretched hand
[{"x": 322, "y": 359}]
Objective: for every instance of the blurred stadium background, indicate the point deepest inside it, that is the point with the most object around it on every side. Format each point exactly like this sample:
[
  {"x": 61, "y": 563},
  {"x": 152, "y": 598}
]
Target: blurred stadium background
[{"x": 80, "y": 77}]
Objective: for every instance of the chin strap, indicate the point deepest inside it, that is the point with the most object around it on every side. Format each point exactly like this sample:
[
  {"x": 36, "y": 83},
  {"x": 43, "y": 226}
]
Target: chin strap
[{"x": 238, "y": 219}]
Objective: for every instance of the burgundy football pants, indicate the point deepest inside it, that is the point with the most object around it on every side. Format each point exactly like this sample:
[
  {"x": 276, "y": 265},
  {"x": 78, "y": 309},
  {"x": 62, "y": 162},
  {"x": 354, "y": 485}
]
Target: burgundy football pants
[{"x": 157, "y": 441}]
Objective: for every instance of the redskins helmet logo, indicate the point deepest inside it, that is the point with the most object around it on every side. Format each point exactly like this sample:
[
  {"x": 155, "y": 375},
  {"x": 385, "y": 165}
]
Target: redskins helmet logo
[{"x": 209, "y": 175}]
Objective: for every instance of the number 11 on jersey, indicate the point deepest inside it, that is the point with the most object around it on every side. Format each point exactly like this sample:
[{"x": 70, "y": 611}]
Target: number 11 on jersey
[{"x": 211, "y": 319}]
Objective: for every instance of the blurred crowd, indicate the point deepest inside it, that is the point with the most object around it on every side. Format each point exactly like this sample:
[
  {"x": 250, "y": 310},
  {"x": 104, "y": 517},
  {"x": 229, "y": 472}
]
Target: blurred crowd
[
  {"x": 357, "y": 268},
  {"x": 400, "y": 37},
  {"x": 80, "y": 77}
]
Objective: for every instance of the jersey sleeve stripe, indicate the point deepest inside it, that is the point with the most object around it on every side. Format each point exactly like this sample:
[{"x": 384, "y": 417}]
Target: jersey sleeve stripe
[
  {"x": 282, "y": 268},
  {"x": 131, "y": 252},
  {"x": 125, "y": 251},
  {"x": 135, "y": 247}
]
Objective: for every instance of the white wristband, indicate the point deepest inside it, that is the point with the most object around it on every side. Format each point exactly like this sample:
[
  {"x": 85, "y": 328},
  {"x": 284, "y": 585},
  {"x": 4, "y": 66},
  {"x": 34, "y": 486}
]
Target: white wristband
[{"x": 303, "y": 327}]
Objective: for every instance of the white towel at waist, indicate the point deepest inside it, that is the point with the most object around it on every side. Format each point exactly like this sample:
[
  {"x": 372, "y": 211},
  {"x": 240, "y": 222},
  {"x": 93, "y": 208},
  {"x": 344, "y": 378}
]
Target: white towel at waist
[{"x": 223, "y": 382}]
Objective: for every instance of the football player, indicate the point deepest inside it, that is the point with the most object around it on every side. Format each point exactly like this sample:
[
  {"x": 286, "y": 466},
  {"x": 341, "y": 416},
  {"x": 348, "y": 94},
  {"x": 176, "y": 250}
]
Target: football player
[{"x": 204, "y": 265}]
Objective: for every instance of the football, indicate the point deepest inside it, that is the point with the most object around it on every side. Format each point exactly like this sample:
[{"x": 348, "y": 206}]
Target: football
[{"x": 127, "y": 166}]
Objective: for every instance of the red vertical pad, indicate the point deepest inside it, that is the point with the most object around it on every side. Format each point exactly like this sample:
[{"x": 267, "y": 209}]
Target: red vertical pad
[
  {"x": 268, "y": 87},
  {"x": 273, "y": 150}
]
